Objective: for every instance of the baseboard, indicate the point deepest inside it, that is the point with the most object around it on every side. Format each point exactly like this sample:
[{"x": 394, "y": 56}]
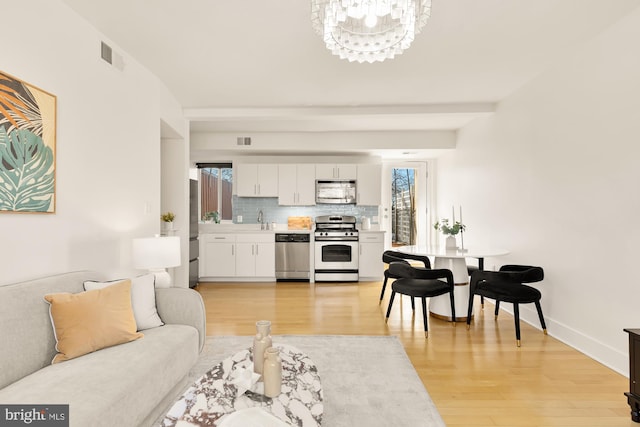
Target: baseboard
[{"x": 596, "y": 350}]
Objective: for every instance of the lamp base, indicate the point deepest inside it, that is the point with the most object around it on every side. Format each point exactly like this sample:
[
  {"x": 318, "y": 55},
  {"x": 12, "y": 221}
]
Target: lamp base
[{"x": 162, "y": 278}]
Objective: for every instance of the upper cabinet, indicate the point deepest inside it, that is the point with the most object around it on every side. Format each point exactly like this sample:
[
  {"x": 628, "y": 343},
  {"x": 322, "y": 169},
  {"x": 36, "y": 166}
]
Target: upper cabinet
[
  {"x": 296, "y": 185},
  {"x": 368, "y": 185},
  {"x": 256, "y": 180},
  {"x": 333, "y": 171}
]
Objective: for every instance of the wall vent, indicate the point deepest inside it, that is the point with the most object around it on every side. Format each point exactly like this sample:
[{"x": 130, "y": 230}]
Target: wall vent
[
  {"x": 244, "y": 140},
  {"x": 112, "y": 57},
  {"x": 106, "y": 52}
]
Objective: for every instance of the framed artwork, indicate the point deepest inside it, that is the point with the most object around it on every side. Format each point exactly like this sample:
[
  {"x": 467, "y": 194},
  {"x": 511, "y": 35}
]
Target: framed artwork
[{"x": 27, "y": 147}]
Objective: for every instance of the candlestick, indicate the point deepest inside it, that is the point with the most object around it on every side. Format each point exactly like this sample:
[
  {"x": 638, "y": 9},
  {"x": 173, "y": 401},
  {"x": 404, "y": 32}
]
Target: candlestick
[{"x": 462, "y": 249}]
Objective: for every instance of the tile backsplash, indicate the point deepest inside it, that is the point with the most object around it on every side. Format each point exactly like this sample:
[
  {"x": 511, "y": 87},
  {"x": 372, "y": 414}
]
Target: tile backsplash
[{"x": 248, "y": 208}]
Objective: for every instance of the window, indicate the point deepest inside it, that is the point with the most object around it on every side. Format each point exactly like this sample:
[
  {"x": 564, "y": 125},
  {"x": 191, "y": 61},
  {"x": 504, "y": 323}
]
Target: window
[{"x": 216, "y": 182}]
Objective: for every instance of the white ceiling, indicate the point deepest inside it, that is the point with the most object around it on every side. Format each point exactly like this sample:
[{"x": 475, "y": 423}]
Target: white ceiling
[{"x": 258, "y": 66}]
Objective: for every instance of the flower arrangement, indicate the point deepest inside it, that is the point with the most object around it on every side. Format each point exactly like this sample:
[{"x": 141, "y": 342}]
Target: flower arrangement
[
  {"x": 168, "y": 217},
  {"x": 449, "y": 230}
]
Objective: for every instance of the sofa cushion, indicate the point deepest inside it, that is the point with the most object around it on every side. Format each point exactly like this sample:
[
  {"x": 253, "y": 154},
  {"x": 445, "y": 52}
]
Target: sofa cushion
[
  {"x": 92, "y": 320},
  {"x": 116, "y": 386},
  {"x": 143, "y": 299},
  {"x": 28, "y": 342}
]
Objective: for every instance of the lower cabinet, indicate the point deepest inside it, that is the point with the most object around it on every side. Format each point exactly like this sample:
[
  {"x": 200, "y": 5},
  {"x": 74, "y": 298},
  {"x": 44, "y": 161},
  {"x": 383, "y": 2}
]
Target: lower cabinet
[
  {"x": 217, "y": 255},
  {"x": 371, "y": 248},
  {"x": 237, "y": 256},
  {"x": 252, "y": 256},
  {"x": 256, "y": 255}
]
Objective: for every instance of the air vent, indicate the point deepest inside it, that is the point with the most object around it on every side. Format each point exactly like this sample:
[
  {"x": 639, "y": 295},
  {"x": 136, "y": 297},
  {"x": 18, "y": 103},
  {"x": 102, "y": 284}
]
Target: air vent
[
  {"x": 244, "y": 140},
  {"x": 111, "y": 57},
  {"x": 106, "y": 53}
]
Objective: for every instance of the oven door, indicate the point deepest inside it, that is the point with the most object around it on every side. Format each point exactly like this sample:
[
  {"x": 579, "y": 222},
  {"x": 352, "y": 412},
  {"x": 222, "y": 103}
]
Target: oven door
[{"x": 336, "y": 261}]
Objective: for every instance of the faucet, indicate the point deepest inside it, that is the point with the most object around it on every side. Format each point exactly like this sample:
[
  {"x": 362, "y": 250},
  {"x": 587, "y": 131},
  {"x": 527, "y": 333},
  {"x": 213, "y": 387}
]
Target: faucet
[{"x": 261, "y": 219}]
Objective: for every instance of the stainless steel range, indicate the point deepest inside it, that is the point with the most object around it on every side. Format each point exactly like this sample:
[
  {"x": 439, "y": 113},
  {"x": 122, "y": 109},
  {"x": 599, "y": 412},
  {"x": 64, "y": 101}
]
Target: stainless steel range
[{"x": 336, "y": 249}]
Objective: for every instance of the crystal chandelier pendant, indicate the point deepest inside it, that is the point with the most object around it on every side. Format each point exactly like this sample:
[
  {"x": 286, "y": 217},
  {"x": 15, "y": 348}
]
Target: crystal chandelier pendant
[{"x": 369, "y": 30}]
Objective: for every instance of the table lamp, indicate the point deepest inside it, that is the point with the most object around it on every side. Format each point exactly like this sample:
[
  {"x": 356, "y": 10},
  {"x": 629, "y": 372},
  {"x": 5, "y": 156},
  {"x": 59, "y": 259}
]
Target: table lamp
[{"x": 156, "y": 254}]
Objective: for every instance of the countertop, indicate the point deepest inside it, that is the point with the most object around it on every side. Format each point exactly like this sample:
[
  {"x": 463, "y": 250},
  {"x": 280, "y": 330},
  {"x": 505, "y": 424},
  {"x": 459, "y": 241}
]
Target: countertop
[
  {"x": 246, "y": 229},
  {"x": 255, "y": 228}
]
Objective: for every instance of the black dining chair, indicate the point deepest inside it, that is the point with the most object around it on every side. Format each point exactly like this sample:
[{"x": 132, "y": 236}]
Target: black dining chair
[
  {"x": 470, "y": 270},
  {"x": 508, "y": 285},
  {"x": 390, "y": 256},
  {"x": 421, "y": 283}
]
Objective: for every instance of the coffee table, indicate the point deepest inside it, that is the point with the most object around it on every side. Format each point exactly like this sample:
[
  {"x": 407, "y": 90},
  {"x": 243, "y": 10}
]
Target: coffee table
[{"x": 213, "y": 396}]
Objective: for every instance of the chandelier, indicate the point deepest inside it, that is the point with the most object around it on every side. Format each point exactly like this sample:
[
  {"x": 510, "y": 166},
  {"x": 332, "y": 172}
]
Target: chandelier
[{"x": 369, "y": 30}]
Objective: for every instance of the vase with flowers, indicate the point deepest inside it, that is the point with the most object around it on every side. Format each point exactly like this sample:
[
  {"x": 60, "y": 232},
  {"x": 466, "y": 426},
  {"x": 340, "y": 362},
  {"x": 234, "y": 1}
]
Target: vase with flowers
[{"x": 450, "y": 231}]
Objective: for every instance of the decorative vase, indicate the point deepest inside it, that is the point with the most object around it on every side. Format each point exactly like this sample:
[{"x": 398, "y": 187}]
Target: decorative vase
[
  {"x": 168, "y": 225},
  {"x": 261, "y": 342},
  {"x": 450, "y": 242},
  {"x": 272, "y": 372}
]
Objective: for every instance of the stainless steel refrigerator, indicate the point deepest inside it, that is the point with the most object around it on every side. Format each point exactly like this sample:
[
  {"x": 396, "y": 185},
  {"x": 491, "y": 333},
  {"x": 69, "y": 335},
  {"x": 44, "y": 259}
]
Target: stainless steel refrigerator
[{"x": 194, "y": 246}]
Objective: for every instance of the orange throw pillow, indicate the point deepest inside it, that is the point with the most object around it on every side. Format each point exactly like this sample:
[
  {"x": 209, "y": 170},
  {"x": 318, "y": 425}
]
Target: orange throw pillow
[{"x": 91, "y": 320}]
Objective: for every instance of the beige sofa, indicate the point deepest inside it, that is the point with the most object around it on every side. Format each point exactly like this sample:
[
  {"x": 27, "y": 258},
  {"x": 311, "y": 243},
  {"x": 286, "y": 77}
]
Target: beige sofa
[{"x": 124, "y": 385}]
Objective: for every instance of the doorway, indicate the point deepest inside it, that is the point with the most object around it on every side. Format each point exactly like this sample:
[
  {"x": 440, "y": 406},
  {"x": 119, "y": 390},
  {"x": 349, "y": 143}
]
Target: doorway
[
  {"x": 404, "y": 203},
  {"x": 403, "y": 206}
]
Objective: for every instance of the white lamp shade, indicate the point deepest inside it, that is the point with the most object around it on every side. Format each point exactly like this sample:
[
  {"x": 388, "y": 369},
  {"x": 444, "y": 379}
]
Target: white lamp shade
[{"x": 156, "y": 252}]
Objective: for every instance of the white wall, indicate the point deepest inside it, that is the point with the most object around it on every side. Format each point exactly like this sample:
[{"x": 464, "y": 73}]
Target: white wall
[
  {"x": 108, "y": 147},
  {"x": 553, "y": 177},
  {"x": 175, "y": 198}
]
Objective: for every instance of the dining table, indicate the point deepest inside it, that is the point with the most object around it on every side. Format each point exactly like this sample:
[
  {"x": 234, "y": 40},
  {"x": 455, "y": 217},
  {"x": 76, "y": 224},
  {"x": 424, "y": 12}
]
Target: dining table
[{"x": 454, "y": 259}]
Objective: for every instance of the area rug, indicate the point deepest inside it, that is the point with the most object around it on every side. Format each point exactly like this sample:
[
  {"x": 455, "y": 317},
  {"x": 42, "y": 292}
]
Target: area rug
[{"x": 367, "y": 380}]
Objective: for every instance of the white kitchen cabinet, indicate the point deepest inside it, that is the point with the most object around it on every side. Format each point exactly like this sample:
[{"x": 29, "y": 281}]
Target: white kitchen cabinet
[
  {"x": 256, "y": 180},
  {"x": 369, "y": 185},
  {"x": 296, "y": 185},
  {"x": 371, "y": 246},
  {"x": 217, "y": 255},
  {"x": 266, "y": 259},
  {"x": 256, "y": 255},
  {"x": 237, "y": 256},
  {"x": 336, "y": 171}
]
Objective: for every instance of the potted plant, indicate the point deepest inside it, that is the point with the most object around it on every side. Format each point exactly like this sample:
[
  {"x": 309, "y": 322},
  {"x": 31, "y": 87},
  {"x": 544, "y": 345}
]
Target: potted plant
[
  {"x": 167, "y": 219},
  {"x": 450, "y": 231},
  {"x": 212, "y": 217}
]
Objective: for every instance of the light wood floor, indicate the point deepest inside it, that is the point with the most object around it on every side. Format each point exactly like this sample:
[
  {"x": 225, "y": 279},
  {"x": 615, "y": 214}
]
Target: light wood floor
[{"x": 476, "y": 378}]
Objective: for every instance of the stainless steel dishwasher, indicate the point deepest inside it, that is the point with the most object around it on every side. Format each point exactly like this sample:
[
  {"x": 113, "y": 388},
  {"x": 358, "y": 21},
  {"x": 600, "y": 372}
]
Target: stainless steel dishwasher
[{"x": 292, "y": 256}]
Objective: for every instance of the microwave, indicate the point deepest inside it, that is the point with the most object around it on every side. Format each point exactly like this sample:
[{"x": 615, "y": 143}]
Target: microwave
[{"x": 336, "y": 191}]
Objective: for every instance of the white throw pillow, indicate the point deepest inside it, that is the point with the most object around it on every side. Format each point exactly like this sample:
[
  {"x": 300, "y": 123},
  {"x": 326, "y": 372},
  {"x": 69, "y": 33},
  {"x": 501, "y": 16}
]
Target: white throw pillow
[{"x": 143, "y": 299}]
